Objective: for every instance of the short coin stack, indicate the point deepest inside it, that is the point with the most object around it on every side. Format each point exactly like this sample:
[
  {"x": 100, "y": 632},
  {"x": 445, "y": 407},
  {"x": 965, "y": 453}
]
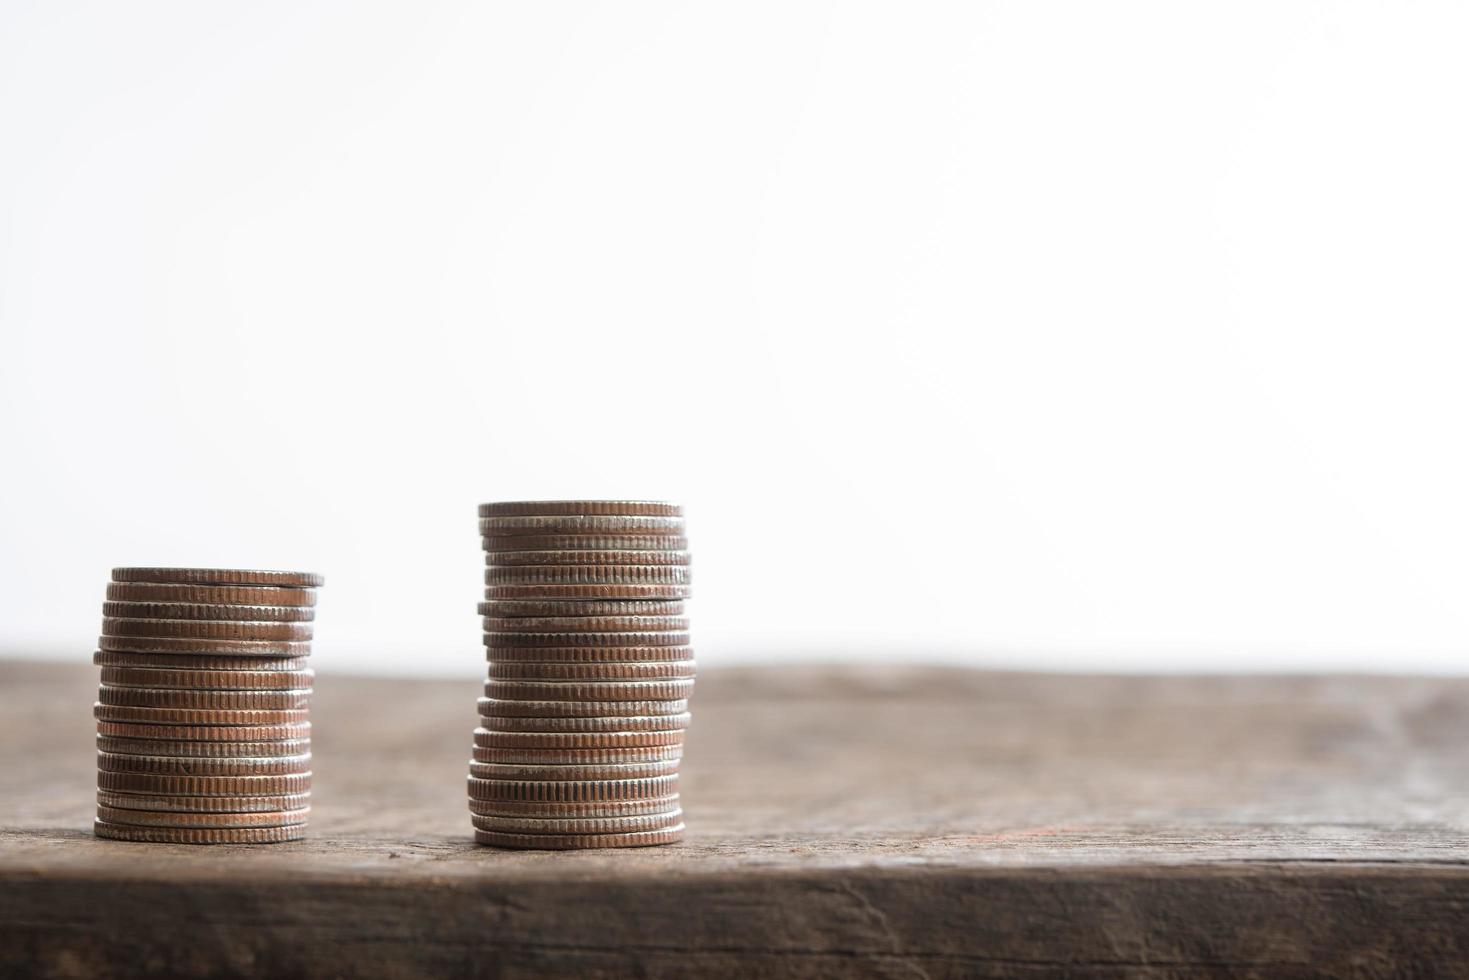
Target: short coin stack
[
  {"x": 203, "y": 734},
  {"x": 590, "y": 669}
]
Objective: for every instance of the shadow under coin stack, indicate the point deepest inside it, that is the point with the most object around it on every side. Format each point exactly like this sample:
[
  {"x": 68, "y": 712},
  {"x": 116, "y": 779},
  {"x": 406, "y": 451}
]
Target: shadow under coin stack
[
  {"x": 590, "y": 669},
  {"x": 203, "y": 734}
]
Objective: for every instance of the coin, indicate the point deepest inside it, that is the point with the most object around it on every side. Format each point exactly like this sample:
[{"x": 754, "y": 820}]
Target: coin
[
  {"x": 163, "y": 803},
  {"x": 576, "y": 741},
  {"x": 572, "y": 791},
  {"x": 203, "y": 750},
  {"x": 204, "y": 717},
  {"x": 602, "y": 809},
  {"x": 567, "y": 842},
  {"x": 573, "y": 607},
  {"x": 129, "y": 782},
  {"x": 198, "y": 835},
  {"x": 194, "y": 610},
  {"x": 200, "y": 629},
  {"x": 588, "y": 654},
  {"x": 633, "y": 558},
  {"x": 206, "y": 733},
  {"x": 588, "y": 575},
  {"x": 588, "y": 692},
  {"x": 573, "y": 825},
  {"x": 606, "y": 526},
  {"x": 223, "y": 595},
  {"x": 512, "y": 508},
  {"x": 167, "y": 765},
  {"x": 527, "y": 772},
  {"x": 598, "y": 575},
  {"x": 145, "y": 697},
  {"x": 621, "y": 724},
  {"x": 219, "y": 576},
  {"x": 579, "y": 757},
  {"x": 666, "y": 638},
  {"x": 196, "y": 661},
  {"x": 232, "y": 648},
  {"x": 587, "y": 591},
  {"x": 492, "y": 707},
  {"x": 534, "y": 671},
  {"x": 583, "y": 542},
  {"x": 205, "y": 821},
  {"x": 582, "y": 624},
  {"x": 227, "y": 680}
]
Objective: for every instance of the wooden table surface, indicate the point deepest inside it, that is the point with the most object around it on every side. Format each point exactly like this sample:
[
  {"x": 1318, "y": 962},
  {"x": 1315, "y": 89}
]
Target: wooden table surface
[{"x": 900, "y": 822}]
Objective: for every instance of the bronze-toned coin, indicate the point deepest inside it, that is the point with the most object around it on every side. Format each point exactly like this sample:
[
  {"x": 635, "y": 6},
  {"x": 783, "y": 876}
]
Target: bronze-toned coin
[
  {"x": 203, "y": 821},
  {"x": 196, "y": 661},
  {"x": 583, "y": 791},
  {"x": 573, "y": 825},
  {"x": 604, "y": 526},
  {"x": 203, "y": 629},
  {"x": 203, "y": 750},
  {"x": 220, "y": 595},
  {"x": 579, "y": 842},
  {"x": 171, "y": 765},
  {"x": 581, "y": 608},
  {"x": 533, "y": 508},
  {"x": 223, "y": 648},
  {"x": 147, "y": 697},
  {"x": 583, "y": 624},
  {"x": 578, "y": 757},
  {"x": 220, "y": 576},
  {"x": 588, "y": 692},
  {"x": 588, "y": 575},
  {"x": 588, "y": 592},
  {"x": 666, "y": 638},
  {"x": 584, "y": 542},
  {"x": 577, "y": 741},
  {"x": 659, "y": 671},
  {"x": 581, "y": 725},
  {"x": 495, "y": 707},
  {"x": 162, "y": 803},
  {"x": 223, "y": 680},
  {"x": 199, "y": 835},
  {"x": 587, "y": 654},
  {"x": 543, "y": 810},
  {"x": 203, "y": 717},
  {"x": 518, "y": 559},
  {"x": 216, "y": 612},
  {"x": 203, "y": 733},
  {"x": 150, "y": 783},
  {"x": 530, "y": 773}
]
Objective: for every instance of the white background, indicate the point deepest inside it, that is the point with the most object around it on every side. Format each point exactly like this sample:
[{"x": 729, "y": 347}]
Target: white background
[{"x": 1058, "y": 335}]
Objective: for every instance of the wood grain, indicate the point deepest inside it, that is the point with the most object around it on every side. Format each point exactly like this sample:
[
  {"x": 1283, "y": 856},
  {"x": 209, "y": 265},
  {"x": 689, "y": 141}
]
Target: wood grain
[{"x": 842, "y": 821}]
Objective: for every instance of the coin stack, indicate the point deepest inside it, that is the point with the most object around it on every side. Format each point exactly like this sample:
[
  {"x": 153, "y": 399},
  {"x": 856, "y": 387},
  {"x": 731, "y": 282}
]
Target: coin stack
[
  {"x": 590, "y": 669},
  {"x": 203, "y": 734}
]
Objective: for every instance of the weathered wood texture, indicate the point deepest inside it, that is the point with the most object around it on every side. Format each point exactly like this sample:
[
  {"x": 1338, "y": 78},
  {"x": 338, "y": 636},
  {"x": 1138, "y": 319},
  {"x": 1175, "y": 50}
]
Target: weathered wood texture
[{"x": 884, "y": 822}]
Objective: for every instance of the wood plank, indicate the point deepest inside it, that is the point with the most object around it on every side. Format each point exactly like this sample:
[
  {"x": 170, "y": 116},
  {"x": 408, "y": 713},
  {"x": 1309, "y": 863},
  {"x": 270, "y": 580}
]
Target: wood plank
[{"x": 884, "y": 821}]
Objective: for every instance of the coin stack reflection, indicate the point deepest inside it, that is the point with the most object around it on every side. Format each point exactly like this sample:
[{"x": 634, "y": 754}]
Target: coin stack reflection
[
  {"x": 590, "y": 669},
  {"x": 203, "y": 734}
]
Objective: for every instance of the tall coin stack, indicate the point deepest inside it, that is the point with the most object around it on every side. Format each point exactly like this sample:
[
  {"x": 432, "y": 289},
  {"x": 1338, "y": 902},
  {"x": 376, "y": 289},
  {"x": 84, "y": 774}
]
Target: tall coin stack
[
  {"x": 203, "y": 734},
  {"x": 590, "y": 669}
]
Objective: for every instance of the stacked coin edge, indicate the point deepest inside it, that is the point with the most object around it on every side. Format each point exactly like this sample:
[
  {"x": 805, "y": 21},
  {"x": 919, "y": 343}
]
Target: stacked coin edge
[
  {"x": 589, "y": 671},
  {"x": 203, "y": 707}
]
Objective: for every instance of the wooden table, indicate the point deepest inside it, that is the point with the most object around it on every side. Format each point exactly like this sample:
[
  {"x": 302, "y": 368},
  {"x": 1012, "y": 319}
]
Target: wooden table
[{"x": 888, "y": 822}]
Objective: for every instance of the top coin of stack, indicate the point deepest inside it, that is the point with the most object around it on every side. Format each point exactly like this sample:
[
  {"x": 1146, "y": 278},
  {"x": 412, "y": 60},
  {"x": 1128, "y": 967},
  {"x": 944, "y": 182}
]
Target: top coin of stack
[
  {"x": 590, "y": 669},
  {"x": 203, "y": 734}
]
